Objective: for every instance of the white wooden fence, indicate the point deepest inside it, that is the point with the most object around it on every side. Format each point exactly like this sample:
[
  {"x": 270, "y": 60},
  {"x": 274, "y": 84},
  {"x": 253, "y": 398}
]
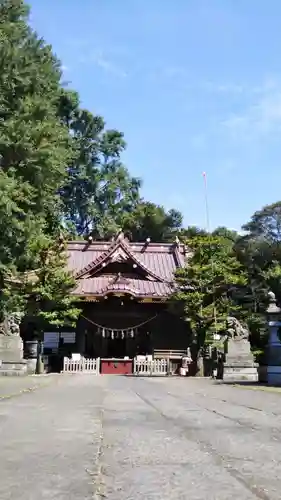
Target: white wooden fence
[
  {"x": 141, "y": 366},
  {"x": 82, "y": 365},
  {"x": 151, "y": 367}
]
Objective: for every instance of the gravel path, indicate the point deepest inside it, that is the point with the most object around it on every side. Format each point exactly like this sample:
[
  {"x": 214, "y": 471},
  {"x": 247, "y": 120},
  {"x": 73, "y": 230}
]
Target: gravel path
[{"x": 86, "y": 437}]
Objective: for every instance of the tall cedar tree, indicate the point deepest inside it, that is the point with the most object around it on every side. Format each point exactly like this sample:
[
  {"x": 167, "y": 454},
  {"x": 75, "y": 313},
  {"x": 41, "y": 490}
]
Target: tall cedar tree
[
  {"x": 98, "y": 189},
  {"x": 100, "y": 195},
  {"x": 260, "y": 252},
  {"x": 150, "y": 220},
  {"x": 34, "y": 147},
  {"x": 205, "y": 287}
]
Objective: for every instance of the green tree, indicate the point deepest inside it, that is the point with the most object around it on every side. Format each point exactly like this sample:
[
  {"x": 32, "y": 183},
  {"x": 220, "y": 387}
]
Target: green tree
[
  {"x": 205, "y": 287},
  {"x": 49, "y": 289},
  {"x": 266, "y": 223},
  {"x": 259, "y": 251},
  {"x": 100, "y": 195},
  {"x": 148, "y": 220},
  {"x": 224, "y": 232},
  {"x": 191, "y": 232},
  {"x": 34, "y": 146},
  {"x": 99, "y": 188},
  {"x": 34, "y": 143},
  {"x": 16, "y": 228}
]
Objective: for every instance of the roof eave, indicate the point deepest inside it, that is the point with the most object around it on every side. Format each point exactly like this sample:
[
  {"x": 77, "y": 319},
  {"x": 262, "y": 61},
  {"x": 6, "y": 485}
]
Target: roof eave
[{"x": 120, "y": 293}]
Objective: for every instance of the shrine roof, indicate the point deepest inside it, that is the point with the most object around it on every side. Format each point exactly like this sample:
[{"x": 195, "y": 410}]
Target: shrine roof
[
  {"x": 139, "y": 288},
  {"x": 158, "y": 262}
]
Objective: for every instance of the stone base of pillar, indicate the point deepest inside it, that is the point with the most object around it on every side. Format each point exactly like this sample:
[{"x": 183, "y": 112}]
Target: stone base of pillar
[
  {"x": 240, "y": 365},
  {"x": 262, "y": 372},
  {"x": 31, "y": 366},
  {"x": 11, "y": 356},
  {"x": 240, "y": 373},
  {"x": 274, "y": 360},
  {"x": 274, "y": 375},
  {"x": 13, "y": 369}
]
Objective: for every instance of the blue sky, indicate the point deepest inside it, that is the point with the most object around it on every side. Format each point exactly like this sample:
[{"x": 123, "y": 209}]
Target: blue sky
[{"x": 195, "y": 85}]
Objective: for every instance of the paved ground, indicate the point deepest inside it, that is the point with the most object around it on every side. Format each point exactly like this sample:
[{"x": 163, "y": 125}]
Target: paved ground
[
  {"x": 11, "y": 386},
  {"x": 85, "y": 437}
]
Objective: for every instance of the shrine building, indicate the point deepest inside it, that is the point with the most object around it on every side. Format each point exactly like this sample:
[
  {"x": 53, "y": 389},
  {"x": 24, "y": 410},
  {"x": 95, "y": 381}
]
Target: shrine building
[{"x": 124, "y": 288}]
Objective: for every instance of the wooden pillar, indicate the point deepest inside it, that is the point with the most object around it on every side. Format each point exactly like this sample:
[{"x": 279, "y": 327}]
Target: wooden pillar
[
  {"x": 104, "y": 347},
  {"x": 81, "y": 341},
  {"x": 130, "y": 346}
]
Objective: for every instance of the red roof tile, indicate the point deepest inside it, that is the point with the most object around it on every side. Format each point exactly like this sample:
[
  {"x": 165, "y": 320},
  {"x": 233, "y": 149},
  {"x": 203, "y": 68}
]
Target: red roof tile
[
  {"x": 104, "y": 285},
  {"x": 158, "y": 260}
]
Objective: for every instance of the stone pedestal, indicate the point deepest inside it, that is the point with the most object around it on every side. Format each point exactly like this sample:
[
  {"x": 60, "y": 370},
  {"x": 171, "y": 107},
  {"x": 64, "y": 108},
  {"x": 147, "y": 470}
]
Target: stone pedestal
[
  {"x": 11, "y": 356},
  {"x": 240, "y": 365},
  {"x": 274, "y": 354}
]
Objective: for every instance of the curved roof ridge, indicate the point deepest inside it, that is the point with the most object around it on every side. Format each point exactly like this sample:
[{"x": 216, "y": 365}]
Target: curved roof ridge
[
  {"x": 99, "y": 260},
  {"x": 109, "y": 251},
  {"x": 141, "y": 264}
]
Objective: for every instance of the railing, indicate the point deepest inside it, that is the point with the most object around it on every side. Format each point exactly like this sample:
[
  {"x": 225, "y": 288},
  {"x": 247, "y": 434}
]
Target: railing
[
  {"x": 168, "y": 354},
  {"x": 82, "y": 365},
  {"x": 151, "y": 367}
]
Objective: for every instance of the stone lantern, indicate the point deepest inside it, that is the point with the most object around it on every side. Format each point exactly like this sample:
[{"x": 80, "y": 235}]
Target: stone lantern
[{"x": 274, "y": 342}]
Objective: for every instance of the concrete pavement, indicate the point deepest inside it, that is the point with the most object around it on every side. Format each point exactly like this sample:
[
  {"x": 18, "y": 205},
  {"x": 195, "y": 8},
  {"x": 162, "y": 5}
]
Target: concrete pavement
[
  {"x": 85, "y": 437},
  {"x": 13, "y": 386}
]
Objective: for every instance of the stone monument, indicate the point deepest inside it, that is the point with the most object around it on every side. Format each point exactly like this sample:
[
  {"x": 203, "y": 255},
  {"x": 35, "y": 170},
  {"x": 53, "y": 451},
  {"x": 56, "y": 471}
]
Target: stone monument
[
  {"x": 11, "y": 346},
  {"x": 239, "y": 365}
]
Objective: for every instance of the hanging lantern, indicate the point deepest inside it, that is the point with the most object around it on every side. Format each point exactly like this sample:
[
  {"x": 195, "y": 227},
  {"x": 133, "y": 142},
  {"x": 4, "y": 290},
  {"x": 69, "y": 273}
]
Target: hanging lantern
[
  {"x": 103, "y": 333},
  {"x": 122, "y": 334},
  {"x": 112, "y": 334},
  {"x": 132, "y": 333}
]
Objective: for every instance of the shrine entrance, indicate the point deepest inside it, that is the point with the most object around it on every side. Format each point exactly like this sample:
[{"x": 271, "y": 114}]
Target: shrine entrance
[
  {"x": 116, "y": 348},
  {"x": 117, "y": 328}
]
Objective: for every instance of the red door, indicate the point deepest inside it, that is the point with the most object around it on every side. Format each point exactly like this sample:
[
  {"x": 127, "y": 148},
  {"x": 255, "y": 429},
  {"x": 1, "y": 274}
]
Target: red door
[{"x": 116, "y": 366}]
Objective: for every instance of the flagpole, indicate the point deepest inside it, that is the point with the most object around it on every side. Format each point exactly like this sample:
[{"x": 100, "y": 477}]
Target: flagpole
[{"x": 206, "y": 202}]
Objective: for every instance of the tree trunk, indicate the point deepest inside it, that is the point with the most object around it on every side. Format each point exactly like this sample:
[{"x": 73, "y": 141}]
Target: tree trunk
[{"x": 200, "y": 366}]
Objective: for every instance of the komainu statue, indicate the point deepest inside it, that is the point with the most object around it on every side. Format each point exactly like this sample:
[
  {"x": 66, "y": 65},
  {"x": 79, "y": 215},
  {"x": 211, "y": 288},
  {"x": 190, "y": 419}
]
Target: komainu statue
[
  {"x": 235, "y": 330},
  {"x": 11, "y": 324}
]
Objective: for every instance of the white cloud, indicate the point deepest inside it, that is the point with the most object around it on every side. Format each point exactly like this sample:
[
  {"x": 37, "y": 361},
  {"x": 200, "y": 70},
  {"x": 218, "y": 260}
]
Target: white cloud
[
  {"x": 98, "y": 58},
  {"x": 260, "y": 117},
  {"x": 223, "y": 88},
  {"x": 181, "y": 73},
  {"x": 175, "y": 71},
  {"x": 109, "y": 66}
]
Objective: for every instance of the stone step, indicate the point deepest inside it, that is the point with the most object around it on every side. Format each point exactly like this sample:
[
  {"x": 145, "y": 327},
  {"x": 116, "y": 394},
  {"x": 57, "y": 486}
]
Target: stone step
[
  {"x": 13, "y": 368},
  {"x": 12, "y": 373}
]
